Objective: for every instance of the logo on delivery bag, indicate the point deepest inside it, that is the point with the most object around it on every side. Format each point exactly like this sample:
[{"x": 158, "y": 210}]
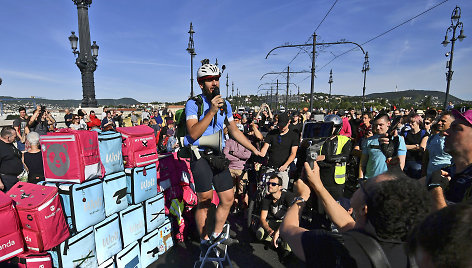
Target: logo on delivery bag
[{"x": 58, "y": 159}]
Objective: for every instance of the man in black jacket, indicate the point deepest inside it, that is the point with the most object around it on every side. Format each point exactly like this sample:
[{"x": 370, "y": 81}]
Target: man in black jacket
[{"x": 10, "y": 159}]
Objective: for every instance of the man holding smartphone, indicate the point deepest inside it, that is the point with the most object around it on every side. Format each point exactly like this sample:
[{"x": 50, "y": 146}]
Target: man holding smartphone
[{"x": 373, "y": 160}]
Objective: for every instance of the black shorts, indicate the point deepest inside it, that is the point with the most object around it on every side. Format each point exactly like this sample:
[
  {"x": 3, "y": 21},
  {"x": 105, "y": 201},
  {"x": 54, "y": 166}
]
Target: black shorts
[{"x": 205, "y": 177}]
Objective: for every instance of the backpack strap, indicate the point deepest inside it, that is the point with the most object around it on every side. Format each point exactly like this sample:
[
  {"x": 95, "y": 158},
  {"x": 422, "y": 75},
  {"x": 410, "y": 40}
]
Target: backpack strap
[
  {"x": 199, "y": 101},
  {"x": 371, "y": 248}
]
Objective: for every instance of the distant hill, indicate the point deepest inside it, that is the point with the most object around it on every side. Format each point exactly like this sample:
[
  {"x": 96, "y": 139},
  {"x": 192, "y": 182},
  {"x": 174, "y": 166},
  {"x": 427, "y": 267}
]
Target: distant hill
[
  {"x": 69, "y": 103},
  {"x": 415, "y": 95}
]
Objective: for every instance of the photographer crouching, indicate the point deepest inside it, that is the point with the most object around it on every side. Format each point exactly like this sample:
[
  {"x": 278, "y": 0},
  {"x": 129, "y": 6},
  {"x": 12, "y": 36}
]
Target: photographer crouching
[{"x": 385, "y": 208}]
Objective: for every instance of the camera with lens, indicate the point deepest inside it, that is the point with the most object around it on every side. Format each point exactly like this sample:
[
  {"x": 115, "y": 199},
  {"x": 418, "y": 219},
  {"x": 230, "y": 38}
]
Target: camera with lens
[{"x": 314, "y": 135}]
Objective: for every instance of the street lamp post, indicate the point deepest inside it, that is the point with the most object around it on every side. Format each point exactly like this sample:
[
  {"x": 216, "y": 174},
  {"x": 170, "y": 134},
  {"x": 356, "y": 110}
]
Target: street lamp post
[
  {"x": 87, "y": 56},
  {"x": 288, "y": 78},
  {"x": 227, "y": 85},
  {"x": 191, "y": 51},
  {"x": 365, "y": 69},
  {"x": 232, "y": 90},
  {"x": 330, "y": 82},
  {"x": 455, "y": 23}
]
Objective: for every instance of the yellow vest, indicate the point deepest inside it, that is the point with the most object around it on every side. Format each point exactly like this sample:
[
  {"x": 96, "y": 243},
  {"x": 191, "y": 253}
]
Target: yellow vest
[{"x": 340, "y": 169}]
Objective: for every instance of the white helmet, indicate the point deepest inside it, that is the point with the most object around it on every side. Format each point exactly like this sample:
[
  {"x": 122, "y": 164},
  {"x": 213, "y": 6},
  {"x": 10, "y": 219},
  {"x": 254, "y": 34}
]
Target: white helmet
[{"x": 208, "y": 70}]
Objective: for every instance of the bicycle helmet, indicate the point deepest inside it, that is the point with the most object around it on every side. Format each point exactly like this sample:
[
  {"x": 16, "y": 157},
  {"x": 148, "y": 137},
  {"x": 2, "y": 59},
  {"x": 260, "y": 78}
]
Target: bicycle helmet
[
  {"x": 337, "y": 121},
  {"x": 206, "y": 71}
]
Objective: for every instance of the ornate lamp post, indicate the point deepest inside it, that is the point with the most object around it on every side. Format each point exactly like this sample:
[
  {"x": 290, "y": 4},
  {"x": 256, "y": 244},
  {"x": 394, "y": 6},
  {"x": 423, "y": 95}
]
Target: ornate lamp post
[
  {"x": 191, "y": 51},
  {"x": 365, "y": 69},
  {"x": 330, "y": 82},
  {"x": 87, "y": 56},
  {"x": 455, "y": 23}
]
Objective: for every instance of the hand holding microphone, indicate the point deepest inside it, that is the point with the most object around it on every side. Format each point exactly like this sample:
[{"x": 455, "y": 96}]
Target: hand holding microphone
[{"x": 216, "y": 97}]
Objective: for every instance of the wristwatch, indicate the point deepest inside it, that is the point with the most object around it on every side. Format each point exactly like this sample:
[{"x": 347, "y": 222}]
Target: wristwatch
[{"x": 298, "y": 198}]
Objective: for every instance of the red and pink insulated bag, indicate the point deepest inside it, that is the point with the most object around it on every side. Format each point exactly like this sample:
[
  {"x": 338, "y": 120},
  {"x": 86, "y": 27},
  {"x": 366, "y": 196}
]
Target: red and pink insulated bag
[
  {"x": 11, "y": 240},
  {"x": 41, "y": 215},
  {"x": 34, "y": 260},
  {"x": 71, "y": 156},
  {"x": 139, "y": 146}
]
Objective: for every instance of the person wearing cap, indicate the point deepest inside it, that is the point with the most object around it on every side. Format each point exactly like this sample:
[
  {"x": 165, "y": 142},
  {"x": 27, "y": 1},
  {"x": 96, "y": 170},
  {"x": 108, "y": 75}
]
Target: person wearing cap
[
  {"x": 205, "y": 119},
  {"x": 237, "y": 121},
  {"x": 454, "y": 184},
  {"x": 296, "y": 123},
  {"x": 282, "y": 145}
]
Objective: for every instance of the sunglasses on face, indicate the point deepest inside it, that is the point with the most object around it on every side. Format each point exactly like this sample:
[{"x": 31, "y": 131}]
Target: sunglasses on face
[
  {"x": 427, "y": 123},
  {"x": 77, "y": 118},
  {"x": 272, "y": 183}
]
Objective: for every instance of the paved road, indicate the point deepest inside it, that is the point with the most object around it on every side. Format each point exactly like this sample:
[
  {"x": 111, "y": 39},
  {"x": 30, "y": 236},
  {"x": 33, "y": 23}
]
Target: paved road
[{"x": 247, "y": 253}]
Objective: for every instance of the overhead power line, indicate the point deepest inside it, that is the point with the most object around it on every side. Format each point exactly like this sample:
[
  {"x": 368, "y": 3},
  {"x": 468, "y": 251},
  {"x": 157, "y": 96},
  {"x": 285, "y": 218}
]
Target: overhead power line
[
  {"x": 386, "y": 32},
  {"x": 327, "y": 13}
]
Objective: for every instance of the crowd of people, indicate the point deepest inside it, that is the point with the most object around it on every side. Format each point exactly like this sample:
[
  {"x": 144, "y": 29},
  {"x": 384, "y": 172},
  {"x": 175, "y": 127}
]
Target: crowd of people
[
  {"x": 371, "y": 197},
  {"x": 21, "y": 157},
  {"x": 388, "y": 188}
]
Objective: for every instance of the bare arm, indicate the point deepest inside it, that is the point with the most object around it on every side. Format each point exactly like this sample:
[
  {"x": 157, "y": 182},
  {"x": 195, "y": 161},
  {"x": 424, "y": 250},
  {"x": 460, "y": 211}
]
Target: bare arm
[
  {"x": 33, "y": 117},
  {"x": 293, "y": 154},
  {"x": 402, "y": 158},
  {"x": 264, "y": 149},
  {"x": 50, "y": 119},
  {"x": 270, "y": 112},
  {"x": 291, "y": 231},
  {"x": 423, "y": 142},
  {"x": 264, "y": 222},
  {"x": 257, "y": 133},
  {"x": 439, "y": 201},
  {"x": 335, "y": 211}
]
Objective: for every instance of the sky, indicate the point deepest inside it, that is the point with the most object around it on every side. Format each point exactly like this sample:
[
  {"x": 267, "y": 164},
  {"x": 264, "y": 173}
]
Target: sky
[{"x": 143, "y": 46}]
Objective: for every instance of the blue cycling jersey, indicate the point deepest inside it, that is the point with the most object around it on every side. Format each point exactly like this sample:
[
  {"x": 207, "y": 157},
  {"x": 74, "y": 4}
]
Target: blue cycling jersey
[{"x": 191, "y": 112}]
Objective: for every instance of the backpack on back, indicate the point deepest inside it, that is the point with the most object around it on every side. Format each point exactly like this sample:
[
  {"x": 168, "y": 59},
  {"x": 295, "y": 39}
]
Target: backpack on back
[{"x": 181, "y": 124}]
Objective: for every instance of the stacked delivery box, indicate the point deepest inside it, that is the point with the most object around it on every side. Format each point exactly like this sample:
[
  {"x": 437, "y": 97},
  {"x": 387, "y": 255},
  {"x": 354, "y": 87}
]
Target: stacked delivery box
[{"x": 107, "y": 216}]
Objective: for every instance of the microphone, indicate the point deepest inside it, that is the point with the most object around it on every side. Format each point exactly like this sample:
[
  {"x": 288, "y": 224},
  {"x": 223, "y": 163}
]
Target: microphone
[{"x": 216, "y": 92}]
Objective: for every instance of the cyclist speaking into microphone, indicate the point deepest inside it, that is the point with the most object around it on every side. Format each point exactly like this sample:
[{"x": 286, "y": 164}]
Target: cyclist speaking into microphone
[{"x": 206, "y": 114}]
